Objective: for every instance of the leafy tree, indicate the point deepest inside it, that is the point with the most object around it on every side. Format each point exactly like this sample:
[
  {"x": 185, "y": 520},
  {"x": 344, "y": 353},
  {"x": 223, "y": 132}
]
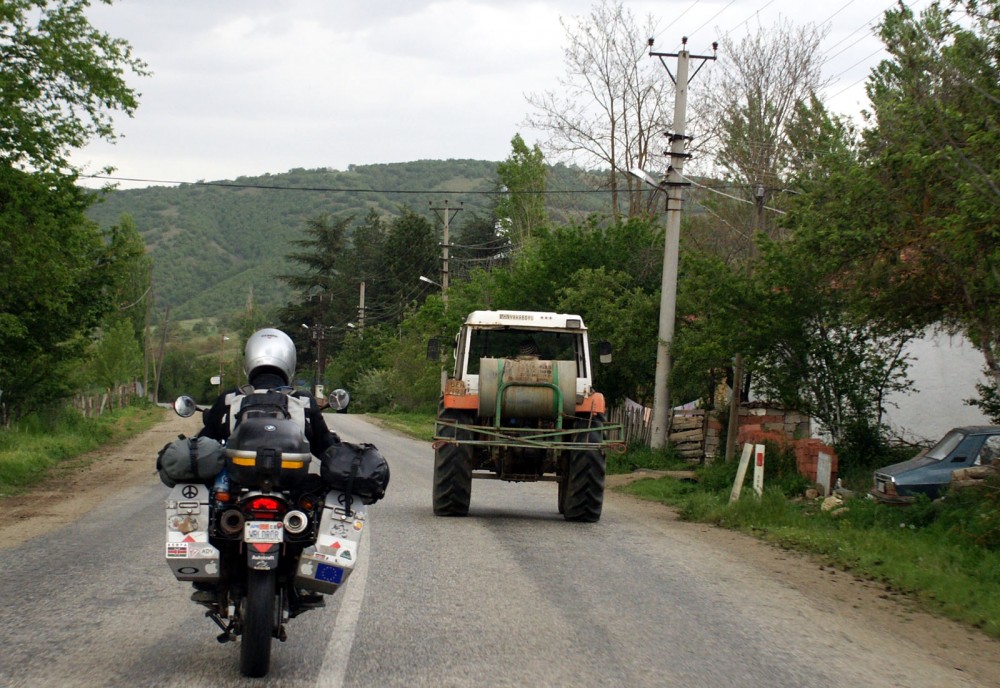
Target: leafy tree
[
  {"x": 547, "y": 263},
  {"x": 814, "y": 352},
  {"x": 128, "y": 269},
  {"x": 478, "y": 244},
  {"x": 410, "y": 250},
  {"x": 934, "y": 256},
  {"x": 117, "y": 357},
  {"x": 520, "y": 205},
  {"x": 55, "y": 286},
  {"x": 619, "y": 311},
  {"x": 60, "y": 80}
]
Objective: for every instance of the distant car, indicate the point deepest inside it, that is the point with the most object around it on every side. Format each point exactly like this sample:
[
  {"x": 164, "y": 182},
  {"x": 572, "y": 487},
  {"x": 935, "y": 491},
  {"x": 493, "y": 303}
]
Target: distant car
[{"x": 929, "y": 472}]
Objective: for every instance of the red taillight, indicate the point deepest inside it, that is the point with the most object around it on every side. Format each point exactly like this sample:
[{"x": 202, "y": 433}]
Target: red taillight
[{"x": 264, "y": 509}]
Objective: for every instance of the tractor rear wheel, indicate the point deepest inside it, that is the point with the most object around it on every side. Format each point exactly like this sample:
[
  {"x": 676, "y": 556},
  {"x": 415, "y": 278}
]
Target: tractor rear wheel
[{"x": 581, "y": 490}]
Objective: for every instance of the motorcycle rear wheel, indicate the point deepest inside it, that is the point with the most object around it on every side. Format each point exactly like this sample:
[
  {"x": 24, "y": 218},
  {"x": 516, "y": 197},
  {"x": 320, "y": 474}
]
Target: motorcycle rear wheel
[{"x": 258, "y": 624}]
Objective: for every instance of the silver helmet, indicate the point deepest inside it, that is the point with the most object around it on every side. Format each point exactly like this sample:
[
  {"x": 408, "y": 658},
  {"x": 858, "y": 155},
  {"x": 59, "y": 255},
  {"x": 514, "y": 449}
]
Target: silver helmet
[{"x": 270, "y": 348}]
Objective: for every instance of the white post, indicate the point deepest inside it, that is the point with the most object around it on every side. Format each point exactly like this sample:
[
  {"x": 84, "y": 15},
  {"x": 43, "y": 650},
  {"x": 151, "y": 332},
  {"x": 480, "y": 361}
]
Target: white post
[
  {"x": 758, "y": 470},
  {"x": 824, "y": 470},
  {"x": 741, "y": 473}
]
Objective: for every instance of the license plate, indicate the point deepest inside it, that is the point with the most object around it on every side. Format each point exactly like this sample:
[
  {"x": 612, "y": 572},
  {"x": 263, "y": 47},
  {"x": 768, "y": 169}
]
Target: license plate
[{"x": 264, "y": 531}]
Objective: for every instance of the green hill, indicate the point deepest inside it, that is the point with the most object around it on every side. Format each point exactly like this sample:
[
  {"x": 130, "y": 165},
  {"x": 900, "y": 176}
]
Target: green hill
[{"x": 211, "y": 242}]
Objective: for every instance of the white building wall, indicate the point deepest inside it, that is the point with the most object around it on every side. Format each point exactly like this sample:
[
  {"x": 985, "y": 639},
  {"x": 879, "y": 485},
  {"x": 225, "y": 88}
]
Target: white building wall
[{"x": 944, "y": 370}]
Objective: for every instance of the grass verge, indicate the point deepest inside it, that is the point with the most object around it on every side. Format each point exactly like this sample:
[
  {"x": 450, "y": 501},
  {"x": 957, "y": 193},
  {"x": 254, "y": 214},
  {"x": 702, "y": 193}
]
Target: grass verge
[
  {"x": 417, "y": 425},
  {"x": 33, "y": 448}
]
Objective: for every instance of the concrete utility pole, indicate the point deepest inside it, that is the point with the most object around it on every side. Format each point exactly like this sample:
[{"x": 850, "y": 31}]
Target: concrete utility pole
[
  {"x": 668, "y": 285},
  {"x": 361, "y": 309},
  {"x": 448, "y": 213}
]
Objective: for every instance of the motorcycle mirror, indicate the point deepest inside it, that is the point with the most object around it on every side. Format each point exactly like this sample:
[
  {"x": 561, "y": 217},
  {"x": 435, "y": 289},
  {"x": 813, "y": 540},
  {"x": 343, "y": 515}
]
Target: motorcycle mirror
[
  {"x": 185, "y": 407},
  {"x": 338, "y": 400}
]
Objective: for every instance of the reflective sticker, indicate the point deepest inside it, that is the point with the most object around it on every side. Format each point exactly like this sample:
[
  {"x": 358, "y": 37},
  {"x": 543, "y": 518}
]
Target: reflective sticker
[
  {"x": 346, "y": 554},
  {"x": 358, "y": 525}
]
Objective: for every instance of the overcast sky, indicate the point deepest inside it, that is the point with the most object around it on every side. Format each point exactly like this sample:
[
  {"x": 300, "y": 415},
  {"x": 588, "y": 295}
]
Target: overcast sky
[{"x": 246, "y": 87}]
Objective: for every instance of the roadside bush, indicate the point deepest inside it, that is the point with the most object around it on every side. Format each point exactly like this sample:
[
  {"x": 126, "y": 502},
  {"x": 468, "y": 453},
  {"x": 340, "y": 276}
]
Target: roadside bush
[
  {"x": 375, "y": 390},
  {"x": 972, "y": 514}
]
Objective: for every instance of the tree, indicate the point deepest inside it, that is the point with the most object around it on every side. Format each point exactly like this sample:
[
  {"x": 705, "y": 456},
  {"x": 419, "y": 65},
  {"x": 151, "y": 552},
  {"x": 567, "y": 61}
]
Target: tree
[
  {"x": 619, "y": 311},
  {"x": 814, "y": 351},
  {"x": 410, "y": 250},
  {"x": 60, "y": 80},
  {"x": 934, "y": 256},
  {"x": 117, "y": 357},
  {"x": 478, "y": 244},
  {"x": 520, "y": 206},
  {"x": 323, "y": 302},
  {"x": 751, "y": 101},
  {"x": 129, "y": 270},
  {"x": 611, "y": 108}
]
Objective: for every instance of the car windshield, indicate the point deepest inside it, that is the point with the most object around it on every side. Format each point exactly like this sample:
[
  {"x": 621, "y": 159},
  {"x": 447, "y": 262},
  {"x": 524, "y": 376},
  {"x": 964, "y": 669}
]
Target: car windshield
[{"x": 944, "y": 447}]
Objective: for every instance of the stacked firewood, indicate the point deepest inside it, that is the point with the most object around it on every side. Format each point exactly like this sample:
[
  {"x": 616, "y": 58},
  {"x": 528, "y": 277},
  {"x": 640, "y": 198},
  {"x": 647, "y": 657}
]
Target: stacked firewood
[{"x": 975, "y": 475}]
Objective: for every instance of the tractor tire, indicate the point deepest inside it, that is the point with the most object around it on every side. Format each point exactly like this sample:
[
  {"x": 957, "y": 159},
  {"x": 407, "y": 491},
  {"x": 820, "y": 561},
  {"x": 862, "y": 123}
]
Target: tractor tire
[
  {"x": 453, "y": 471},
  {"x": 581, "y": 490}
]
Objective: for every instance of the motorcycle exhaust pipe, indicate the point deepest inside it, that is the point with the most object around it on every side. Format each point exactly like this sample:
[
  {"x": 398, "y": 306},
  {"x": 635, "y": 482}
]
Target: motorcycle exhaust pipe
[
  {"x": 231, "y": 522},
  {"x": 296, "y": 521}
]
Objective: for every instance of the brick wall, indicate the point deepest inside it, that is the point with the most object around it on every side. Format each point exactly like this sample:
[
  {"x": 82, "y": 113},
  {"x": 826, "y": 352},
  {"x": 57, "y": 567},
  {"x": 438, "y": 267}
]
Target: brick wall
[{"x": 783, "y": 428}]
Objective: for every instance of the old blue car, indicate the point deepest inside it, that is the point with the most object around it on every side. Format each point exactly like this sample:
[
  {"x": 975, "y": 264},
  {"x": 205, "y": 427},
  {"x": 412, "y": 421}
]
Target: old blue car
[{"x": 929, "y": 472}]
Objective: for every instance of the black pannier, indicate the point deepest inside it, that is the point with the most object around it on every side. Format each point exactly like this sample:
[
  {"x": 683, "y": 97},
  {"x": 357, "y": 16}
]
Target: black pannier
[
  {"x": 263, "y": 449},
  {"x": 357, "y": 469},
  {"x": 190, "y": 460}
]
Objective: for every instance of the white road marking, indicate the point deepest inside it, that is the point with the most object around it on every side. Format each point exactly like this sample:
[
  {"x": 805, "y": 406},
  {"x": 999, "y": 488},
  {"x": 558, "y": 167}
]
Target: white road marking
[{"x": 338, "y": 651}]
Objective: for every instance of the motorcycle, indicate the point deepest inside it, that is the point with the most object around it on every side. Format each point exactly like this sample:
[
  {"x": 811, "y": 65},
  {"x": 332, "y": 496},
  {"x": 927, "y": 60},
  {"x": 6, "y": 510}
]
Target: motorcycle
[{"x": 268, "y": 539}]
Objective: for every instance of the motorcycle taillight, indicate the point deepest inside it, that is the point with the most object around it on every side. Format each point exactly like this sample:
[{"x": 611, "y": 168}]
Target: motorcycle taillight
[{"x": 264, "y": 508}]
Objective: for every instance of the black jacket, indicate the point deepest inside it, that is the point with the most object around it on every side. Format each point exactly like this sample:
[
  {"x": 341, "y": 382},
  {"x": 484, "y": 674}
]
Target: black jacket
[{"x": 216, "y": 421}]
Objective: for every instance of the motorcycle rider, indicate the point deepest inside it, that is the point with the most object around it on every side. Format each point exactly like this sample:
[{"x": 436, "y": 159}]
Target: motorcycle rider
[{"x": 269, "y": 362}]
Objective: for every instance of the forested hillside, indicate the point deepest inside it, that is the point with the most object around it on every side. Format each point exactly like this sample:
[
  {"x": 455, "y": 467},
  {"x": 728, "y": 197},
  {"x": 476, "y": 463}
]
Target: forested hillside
[{"x": 212, "y": 242}]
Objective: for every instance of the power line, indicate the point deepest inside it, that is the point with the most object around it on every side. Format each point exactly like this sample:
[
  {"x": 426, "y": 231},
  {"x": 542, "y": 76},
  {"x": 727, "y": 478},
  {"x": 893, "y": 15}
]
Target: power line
[
  {"x": 331, "y": 189},
  {"x": 735, "y": 198},
  {"x": 710, "y": 20}
]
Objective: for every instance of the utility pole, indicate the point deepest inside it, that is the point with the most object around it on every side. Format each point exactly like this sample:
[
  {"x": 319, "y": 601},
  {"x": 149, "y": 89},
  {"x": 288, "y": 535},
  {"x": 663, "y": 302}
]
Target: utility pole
[
  {"x": 448, "y": 213},
  {"x": 361, "y": 310},
  {"x": 668, "y": 284}
]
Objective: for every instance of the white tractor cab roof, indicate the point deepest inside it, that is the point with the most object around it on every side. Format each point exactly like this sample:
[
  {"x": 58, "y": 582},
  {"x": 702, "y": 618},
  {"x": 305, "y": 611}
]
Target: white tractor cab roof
[
  {"x": 526, "y": 319},
  {"x": 500, "y": 334}
]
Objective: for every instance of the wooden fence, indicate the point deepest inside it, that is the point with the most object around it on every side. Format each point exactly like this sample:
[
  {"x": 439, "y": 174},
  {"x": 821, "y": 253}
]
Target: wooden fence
[
  {"x": 96, "y": 403},
  {"x": 687, "y": 429}
]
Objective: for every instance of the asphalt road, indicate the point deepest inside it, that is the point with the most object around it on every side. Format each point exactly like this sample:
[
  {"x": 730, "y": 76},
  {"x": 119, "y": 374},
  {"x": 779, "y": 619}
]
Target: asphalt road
[{"x": 511, "y": 595}]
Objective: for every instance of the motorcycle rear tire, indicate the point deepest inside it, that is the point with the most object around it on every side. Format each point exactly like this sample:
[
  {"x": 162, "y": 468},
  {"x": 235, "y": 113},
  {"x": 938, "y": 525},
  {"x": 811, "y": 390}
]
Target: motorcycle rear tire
[{"x": 258, "y": 624}]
